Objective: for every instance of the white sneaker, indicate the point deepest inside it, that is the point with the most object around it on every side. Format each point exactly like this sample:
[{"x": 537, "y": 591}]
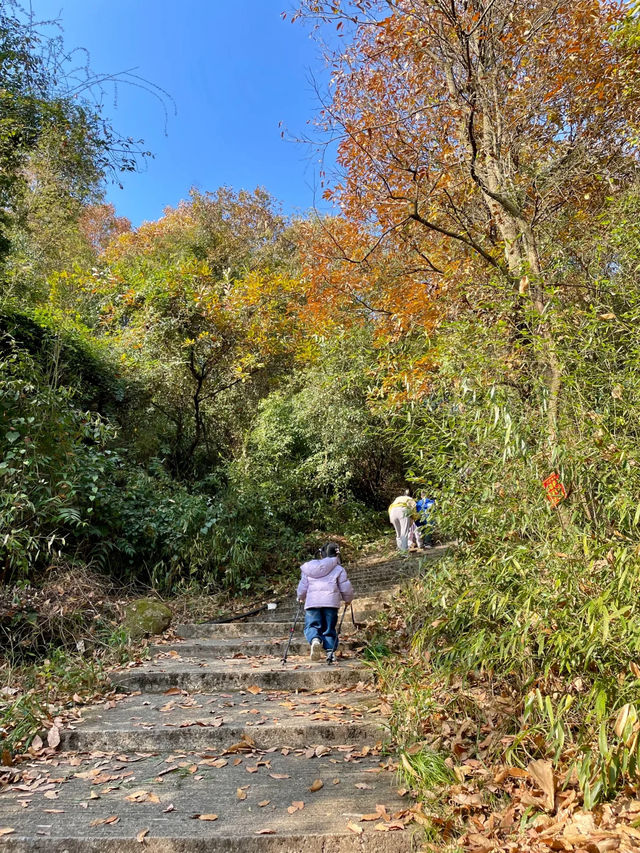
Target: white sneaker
[{"x": 316, "y": 650}]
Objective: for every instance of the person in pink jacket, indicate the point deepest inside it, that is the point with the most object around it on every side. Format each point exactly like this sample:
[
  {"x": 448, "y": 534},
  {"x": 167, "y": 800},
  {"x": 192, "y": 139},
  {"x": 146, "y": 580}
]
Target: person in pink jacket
[{"x": 323, "y": 586}]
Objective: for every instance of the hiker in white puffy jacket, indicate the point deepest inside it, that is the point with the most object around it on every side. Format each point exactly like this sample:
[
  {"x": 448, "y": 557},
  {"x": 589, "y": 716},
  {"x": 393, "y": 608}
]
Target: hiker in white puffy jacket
[{"x": 323, "y": 586}]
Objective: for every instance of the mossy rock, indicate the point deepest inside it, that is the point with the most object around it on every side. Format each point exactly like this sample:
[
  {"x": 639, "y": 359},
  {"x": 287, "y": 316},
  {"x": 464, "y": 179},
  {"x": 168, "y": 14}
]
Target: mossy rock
[{"x": 146, "y": 616}]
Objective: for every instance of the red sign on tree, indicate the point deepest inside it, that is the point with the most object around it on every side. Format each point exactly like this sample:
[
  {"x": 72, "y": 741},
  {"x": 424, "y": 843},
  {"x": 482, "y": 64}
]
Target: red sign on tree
[{"x": 556, "y": 492}]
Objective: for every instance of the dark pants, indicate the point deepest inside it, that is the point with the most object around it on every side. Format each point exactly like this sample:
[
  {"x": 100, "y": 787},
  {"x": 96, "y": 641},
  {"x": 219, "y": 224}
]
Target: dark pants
[
  {"x": 321, "y": 622},
  {"x": 425, "y": 529}
]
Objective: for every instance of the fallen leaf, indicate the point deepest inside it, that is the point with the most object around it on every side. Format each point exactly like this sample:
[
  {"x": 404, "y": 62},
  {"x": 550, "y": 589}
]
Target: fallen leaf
[
  {"x": 470, "y": 800},
  {"x": 580, "y": 828},
  {"x": 509, "y": 772},
  {"x": 218, "y": 762},
  {"x": 279, "y": 775},
  {"x": 254, "y": 689},
  {"x": 37, "y": 744},
  {"x": 264, "y": 803},
  {"x": 244, "y": 745},
  {"x": 53, "y": 737},
  {"x": 140, "y": 837},
  {"x": 101, "y": 821},
  {"x": 6, "y": 830},
  {"x": 266, "y": 832},
  {"x": 382, "y": 811},
  {"x": 296, "y": 806},
  {"x": 542, "y": 773},
  {"x": 363, "y": 786},
  {"x": 173, "y": 691},
  {"x": 142, "y": 797},
  {"x": 240, "y": 794},
  {"x": 51, "y": 795},
  {"x": 316, "y": 786},
  {"x": 355, "y": 828},
  {"x": 205, "y": 816}
]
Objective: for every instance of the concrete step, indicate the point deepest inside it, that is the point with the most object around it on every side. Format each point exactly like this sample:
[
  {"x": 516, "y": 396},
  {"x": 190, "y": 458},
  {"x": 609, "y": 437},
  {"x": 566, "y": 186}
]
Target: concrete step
[
  {"x": 90, "y": 812},
  {"x": 235, "y": 630},
  {"x": 192, "y": 722},
  {"x": 268, "y": 674},
  {"x": 284, "y": 615},
  {"x": 225, "y": 647},
  {"x": 252, "y": 630},
  {"x": 282, "y": 618}
]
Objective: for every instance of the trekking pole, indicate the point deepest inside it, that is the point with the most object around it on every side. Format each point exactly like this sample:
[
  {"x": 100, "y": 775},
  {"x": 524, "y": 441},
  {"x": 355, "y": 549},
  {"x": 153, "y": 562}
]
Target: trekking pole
[
  {"x": 332, "y": 655},
  {"x": 291, "y": 633}
]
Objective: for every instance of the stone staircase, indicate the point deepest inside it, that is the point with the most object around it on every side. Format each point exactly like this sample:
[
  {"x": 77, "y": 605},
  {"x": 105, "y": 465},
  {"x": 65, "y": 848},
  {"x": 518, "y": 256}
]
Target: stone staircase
[{"x": 214, "y": 745}]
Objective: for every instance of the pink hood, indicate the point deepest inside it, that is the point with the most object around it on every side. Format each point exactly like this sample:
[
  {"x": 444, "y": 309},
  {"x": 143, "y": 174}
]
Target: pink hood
[{"x": 319, "y": 568}]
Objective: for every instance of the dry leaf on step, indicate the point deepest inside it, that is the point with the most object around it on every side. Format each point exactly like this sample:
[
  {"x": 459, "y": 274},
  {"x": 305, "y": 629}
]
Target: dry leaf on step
[{"x": 101, "y": 821}]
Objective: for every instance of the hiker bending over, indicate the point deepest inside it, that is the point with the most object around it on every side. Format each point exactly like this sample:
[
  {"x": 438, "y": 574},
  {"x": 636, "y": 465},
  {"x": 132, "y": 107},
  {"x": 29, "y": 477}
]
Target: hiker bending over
[
  {"x": 323, "y": 585},
  {"x": 402, "y": 513}
]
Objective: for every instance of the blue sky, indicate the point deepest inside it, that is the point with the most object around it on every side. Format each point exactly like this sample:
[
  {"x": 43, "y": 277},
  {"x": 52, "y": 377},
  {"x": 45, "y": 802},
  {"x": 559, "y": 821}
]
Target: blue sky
[{"x": 235, "y": 70}]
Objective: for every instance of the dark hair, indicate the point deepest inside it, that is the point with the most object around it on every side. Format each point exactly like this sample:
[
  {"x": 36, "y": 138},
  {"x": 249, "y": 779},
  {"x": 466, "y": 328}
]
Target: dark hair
[{"x": 330, "y": 550}]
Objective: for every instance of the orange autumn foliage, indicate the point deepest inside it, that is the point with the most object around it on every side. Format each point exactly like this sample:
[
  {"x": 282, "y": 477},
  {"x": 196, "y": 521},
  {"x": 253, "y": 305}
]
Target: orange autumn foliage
[{"x": 468, "y": 129}]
